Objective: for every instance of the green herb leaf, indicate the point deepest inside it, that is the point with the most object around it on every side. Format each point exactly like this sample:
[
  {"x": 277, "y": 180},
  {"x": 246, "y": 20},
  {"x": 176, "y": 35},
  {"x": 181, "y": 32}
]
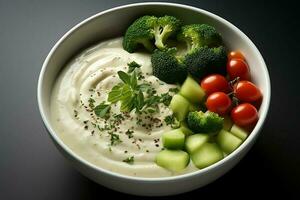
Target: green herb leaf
[
  {"x": 140, "y": 101},
  {"x": 124, "y": 77},
  {"x": 129, "y": 133},
  {"x": 114, "y": 139},
  {"x": 129, "y": 160},
  {"x": 119, "y": 92},
  {"x": 171, "y": 120},
  {"x": 166, "y": 99},
  {"x": 116, "y": 93},
  {"x": 132, "y": 66},
  {"x": 91, "y": 103},
  {"x": 144, "y": 87},
  {"x": 102, "y": 109},
  {"x": 174, "y": 90},
  {"x": 133, "y": 80},
  {"x": 128, "y": 104}
]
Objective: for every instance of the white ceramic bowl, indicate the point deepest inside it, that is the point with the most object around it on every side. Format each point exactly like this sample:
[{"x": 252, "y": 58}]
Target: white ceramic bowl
[{"x": 112, "y": 23}]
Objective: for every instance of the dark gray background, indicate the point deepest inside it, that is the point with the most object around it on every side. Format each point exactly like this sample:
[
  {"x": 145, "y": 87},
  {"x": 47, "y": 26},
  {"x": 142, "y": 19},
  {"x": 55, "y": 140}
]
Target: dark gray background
[{"x": 32, "y": 168}]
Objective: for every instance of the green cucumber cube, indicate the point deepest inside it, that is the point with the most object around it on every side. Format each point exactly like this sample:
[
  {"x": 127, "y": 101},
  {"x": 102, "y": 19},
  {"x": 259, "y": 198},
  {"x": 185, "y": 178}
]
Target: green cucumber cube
[
  {"x": 194, "y": 142},
  {"x": 192, "y": 91},
  {"x": 180, "y": 106},
  {"x": 227, "y": 123},
  {"x": 239, "y": 132},
  {"x": 173, "y": 139},
  {"x": 174, "y": 160},
  {"x": 228, "y": 142},
  {"x": 208, "y": 154},
  {"x": 184, "y": 128}
]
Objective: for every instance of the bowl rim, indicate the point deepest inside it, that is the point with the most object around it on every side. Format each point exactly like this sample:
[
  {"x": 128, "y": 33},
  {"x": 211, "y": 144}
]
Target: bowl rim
[{"x": 263, "y": 109}]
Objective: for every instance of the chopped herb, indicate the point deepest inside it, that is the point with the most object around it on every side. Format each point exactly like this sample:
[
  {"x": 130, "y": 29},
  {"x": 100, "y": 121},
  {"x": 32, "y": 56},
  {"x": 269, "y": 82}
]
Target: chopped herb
[
  {"x": 91, "y": 90},
  {"x": 114, "y": 139},
  {"x": 102, "y": 110},
  {"x": 166, "y": 99},
  {"x": 171, "y": 120},
  {"x": 129, "y": 160},
  {"x": 91, "y": 103},
  {"x": 174, "y": 90},
  {"x": 117, "y": 119},
  {"x": 129, "y": 133},
  {"x": 132, "y": 66},
  {"x": 139, "y": 121}
]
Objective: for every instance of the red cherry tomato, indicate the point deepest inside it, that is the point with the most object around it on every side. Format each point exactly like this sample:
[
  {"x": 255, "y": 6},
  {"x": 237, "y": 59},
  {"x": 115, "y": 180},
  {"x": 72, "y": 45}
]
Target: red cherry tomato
[
  {"x": 247, "y": 91},
  {"x": 218, "y": 102},
  {"x": 235, "y": 55},
  {"x": 244, "y": 114},
  {"x": 238, "y": 68},
  {"x": 214, "y": 83}
]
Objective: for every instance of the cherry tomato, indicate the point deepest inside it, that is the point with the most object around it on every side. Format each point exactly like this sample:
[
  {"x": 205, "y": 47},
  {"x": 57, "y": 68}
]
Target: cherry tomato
[
  {"x": 238, "y": 68},
  {"x": 247, "y": 91},
  {"x": 214, "y": 83},
  {"x": 218, "y": 102},
  {"x": 235, "y": 55},
  {"x": 244, "y": 114}
]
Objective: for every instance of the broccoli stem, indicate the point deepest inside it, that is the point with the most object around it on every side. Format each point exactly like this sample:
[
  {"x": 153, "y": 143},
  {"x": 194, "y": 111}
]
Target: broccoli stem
[
  {"x": 161, "y": 33},
  {"x": 148, "y": 45}
]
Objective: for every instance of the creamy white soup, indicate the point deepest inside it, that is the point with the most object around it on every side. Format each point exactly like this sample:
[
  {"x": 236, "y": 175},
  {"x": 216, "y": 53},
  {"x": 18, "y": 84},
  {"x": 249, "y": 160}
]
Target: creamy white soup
[{"x": 122, "y": 142}]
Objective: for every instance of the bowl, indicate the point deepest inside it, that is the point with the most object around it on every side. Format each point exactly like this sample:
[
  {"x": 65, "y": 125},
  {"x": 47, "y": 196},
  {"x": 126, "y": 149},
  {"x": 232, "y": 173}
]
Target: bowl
[{"x": 112, "y": 23}]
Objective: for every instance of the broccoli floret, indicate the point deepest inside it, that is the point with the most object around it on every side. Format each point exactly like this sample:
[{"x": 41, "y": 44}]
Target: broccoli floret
[
  {"x": 203, "y": 61},
  {"x": 167, "y": 68},
  {"x": 166, "y": 27},
  {"x": 198, "y": 35},
  {"x": 208, "y": 122},
  {"x": 140, "y": 32},
  {"x": 146, "y": 29}
]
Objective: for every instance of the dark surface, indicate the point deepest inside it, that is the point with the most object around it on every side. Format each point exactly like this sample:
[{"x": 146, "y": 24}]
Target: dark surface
[{"x": 32, "y": 168}]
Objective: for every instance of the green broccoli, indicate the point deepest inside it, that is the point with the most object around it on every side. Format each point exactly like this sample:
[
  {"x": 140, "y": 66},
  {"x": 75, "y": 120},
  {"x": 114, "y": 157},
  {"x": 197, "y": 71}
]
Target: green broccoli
[
  {"x": 203, "y": 61},
  {"x": 199, "y": 35},
  {"x": 208, "y": 122},
  {"x": 146, "y": 29},
  {"x": 167, "y": 68},
  {"x": 166, "y": 27},
  {"x": 205, "y": 53},
  {"x": 140, "y": 32}
]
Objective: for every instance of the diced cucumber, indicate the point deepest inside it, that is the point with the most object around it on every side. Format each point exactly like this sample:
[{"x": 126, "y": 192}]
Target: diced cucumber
[
  {"x": 174, "y": 160},
  {"x": 191, "y": 90},
  {"x": 194, "y": 142},
  {"x": 184, "y": 128},
  {"x": 180, "y": 106},
  {"x": 239, "y": 132},
  {"x": 227, "y": 123},
  {"x": 228, "y": 142},
  {"x": 173, "y": 139},
  {"x": 206, "y": 155}
]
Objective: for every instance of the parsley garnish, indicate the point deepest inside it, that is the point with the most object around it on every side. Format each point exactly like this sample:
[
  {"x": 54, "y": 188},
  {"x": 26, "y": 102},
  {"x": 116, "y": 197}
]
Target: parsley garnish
[
  {"x": 129, "y": 93},
  {"x": 91, "y": 103},
  {"x": 102, "y": 110},
  {"x": 166, "y": 99},
  {"x": 114, "y": 139},
  {"x": 171, "y": 120},
  {"x": 132, "y": 66},
  {"x": 129, "y": 160},
  {"x": 129, "y": 133}
]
